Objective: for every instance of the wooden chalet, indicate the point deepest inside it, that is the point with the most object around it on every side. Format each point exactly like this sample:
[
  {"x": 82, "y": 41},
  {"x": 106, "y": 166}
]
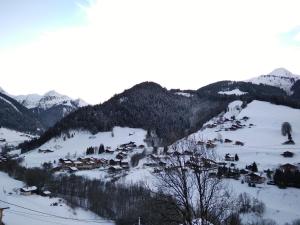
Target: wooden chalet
[
  {"x": 28, "y": 190},
  {"x": 254, "y": 178},
  {"x": 289, "y": 168}
]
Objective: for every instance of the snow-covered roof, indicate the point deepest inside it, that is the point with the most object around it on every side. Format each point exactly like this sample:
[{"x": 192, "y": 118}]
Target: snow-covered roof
[{"x": 28, "y": 189}]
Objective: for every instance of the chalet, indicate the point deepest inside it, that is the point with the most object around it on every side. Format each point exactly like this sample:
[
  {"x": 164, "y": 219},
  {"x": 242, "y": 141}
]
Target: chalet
[
  {"x": 227, "y": 140},
  {"x": 113, "y": 162},
  {"x": 210, "y": 145},
  {"x": 28, "y": 190},
  {"x": 287, "y": 154},
  {"x": 45, "y": 151},
  {"x": 2, "y": 139},
  {"x": 72, "y": 169},
  {"x": 288, "y": 168},
  {"x": 119, "y": 156},
  {"x": 46, "y": 193},
  {"x": 109, "y": 151},
  {"x": 239, "y": 143},
  {"x": 222, "y": 164},
  {"x": 229, "y": 157},
  {"x": 114, "y": 169},
  {"x": 254, "y": 178}
]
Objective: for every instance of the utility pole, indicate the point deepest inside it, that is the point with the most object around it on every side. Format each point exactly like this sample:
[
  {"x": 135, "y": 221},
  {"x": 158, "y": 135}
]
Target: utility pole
[{"x": 1, "y": 214}]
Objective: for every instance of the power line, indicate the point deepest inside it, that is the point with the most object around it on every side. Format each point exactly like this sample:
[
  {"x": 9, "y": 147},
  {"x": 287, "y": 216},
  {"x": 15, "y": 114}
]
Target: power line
[{"x": 60, "y": 217}]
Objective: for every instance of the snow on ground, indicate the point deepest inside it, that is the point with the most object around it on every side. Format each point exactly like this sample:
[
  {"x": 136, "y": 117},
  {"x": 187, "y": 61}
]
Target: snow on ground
[
  {"x": 282, "y": 205},
  {"x": 13, "y": 137},
  {"x": 77, "y": 145},
  {"x": 232, "y": 92},
  {"x": 184, "y": 94},
  {"x": 20, "y": 216},
  {"x": 263, "y": 144},
  {"x": 263, "y": 141}
]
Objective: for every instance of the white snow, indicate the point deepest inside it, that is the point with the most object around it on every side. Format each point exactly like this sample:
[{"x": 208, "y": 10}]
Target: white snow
[
  {"x": 48, "y": 100},
  {"x": 280, "y": 77},
  {"x": 20, "y": 216},
  {"x": 263, "y": 144},
  {"x": 76, "y": 146},
  {"x": 13, "y": 137},
  {"x": 232, "y": 92},
  {"x": 184, "y": 94}
]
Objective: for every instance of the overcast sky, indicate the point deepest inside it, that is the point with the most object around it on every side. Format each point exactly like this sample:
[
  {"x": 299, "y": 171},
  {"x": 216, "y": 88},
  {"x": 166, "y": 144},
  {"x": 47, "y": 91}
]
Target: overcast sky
[{"x": 94, "y": 49}]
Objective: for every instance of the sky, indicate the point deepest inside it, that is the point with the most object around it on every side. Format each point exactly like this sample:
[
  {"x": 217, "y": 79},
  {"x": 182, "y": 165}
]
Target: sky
[{"x": 93, "y": 49}]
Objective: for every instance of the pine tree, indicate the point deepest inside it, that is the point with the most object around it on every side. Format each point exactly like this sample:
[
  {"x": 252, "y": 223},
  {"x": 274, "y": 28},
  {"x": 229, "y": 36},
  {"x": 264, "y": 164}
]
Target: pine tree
[{"x": 236, "y": 157}]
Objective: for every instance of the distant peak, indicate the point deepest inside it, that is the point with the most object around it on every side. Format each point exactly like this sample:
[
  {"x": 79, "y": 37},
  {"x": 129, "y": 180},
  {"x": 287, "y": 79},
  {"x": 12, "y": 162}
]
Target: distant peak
[
  {"x": 52, "y": 93},
  {"x": 282, "y": 72}
]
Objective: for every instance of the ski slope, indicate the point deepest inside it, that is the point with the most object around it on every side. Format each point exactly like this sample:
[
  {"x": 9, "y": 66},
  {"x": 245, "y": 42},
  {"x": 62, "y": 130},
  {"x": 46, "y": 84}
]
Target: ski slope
[{"x": 43, "y": 213}]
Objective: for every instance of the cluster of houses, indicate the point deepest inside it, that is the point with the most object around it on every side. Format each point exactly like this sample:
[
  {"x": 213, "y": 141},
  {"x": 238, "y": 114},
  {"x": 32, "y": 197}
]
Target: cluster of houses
[
  {"x": 86, "y": 163},
  {"x": 119, "y": 160}
]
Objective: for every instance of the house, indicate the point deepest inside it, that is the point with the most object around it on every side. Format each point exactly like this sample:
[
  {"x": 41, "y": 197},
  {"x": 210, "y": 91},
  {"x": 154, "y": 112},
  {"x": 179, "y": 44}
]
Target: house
[
  {"x": 239, "y": 143},
  {"x": 28, "y": 190},
  {"x": 229, "y": 157},
  {"x": 45, "y": 193},
  {"x": 45, "y": 151},
  {"x": 114, "y": 169},
  {"x": 287, "y": 154},
  {"x": 109, "y": 151},
  {"x": 288, "y": 168},
  {"x": 254, "y": 178},
  {"x": 113, "y": 162},
  {"x": 227, "y": 140},
  {"x": 72, "y": 169}
]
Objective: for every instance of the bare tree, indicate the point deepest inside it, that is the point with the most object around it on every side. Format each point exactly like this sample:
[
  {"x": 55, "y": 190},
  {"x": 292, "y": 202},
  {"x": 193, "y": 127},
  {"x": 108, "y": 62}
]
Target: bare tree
[
  {"x": 286, "y": 129},
  {"x": 189, "y": 179}
]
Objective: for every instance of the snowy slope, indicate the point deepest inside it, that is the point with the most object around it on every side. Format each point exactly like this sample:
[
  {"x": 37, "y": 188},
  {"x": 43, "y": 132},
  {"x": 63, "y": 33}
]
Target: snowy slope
[
  {"x": 263, "y": 144},
  {"x": 20, "y": 216},
  {"x": 280, "y": 77},
  {"x": 77, "y": 145},
  {"x": 13, "y": 137}
]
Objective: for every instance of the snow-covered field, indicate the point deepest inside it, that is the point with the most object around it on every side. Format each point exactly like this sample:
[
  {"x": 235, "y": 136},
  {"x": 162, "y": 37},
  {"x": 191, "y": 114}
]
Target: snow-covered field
[
  {"x": 13, "y": 137},
  {"x": 39, "y": 210},
  {"x": 263, "y": 141},
  {"x": 77, "y": 145},
  {"x": 263, "y": 144}
]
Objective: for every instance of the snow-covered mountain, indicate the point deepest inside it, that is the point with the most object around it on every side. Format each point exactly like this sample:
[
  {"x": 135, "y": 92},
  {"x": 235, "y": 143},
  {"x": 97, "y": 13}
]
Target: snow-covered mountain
[
  {"x": 48, "y": 100},
  {"x": 50, "y": 107},
  {"x": 281, "y": 78}
]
